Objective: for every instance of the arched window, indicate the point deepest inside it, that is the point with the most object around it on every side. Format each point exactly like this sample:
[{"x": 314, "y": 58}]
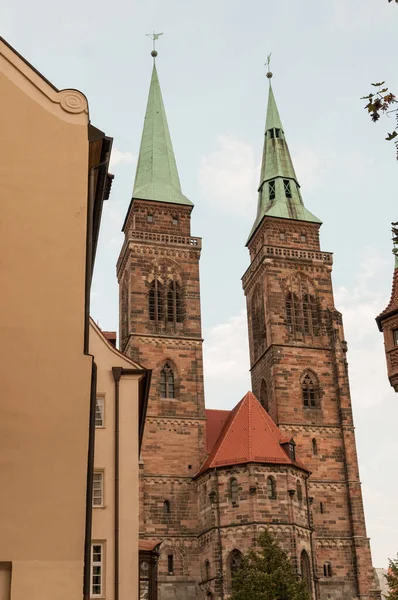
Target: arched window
[
  {"x": 327, "y": 569},
  {"x": 155, "y": 300},
  {"x": 174, "y": 310},
  {"x": 299, "y": 492},
  {"x": 166, "y": 507},
  {"x": 305, "y": 569},
  {"x": 207, "y": 570},
  {"x": 167, "y": 389},
  {"x": 271, "y": 488},
  {"x": 311, "y": 315},
  {"x": 310, "y": 390},
  {"x": 235, "y": 562},
  {"x": 293, "y": 313},
  {"x": 314, "y": 447},
  {"x": 264, "y": 395},
  {"x": 233, "y": 490}
]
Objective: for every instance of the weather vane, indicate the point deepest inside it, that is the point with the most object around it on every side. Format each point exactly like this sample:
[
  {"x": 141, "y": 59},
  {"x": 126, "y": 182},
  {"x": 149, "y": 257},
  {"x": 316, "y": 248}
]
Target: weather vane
[
  {"x": 268, "y": 63},
  {"x": 154, "y": 36}
]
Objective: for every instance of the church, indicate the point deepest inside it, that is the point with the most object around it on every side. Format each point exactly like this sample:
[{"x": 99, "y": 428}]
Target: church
[{"x": 284, "y": 458}]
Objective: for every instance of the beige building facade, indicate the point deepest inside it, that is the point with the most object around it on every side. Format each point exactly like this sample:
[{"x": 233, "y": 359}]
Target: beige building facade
[
  {"x": 121, "y": 398},
  {"x": 54, "y": 178}
]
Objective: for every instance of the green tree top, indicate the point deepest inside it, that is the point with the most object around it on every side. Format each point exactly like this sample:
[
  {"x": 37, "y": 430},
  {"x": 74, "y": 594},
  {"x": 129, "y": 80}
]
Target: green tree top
[
  {"x": 392, "y": 577},
  {"x": 267, "y": 575}
]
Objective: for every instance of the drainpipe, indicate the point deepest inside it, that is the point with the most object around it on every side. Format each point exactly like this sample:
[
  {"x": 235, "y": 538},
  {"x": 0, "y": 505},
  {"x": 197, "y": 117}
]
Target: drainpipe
[
  {"x": 315, "y": 576},
  {"x": 89, "y": 486},
  {"x": 117, "y": 373},
  {"x": 219, "y": 535}
]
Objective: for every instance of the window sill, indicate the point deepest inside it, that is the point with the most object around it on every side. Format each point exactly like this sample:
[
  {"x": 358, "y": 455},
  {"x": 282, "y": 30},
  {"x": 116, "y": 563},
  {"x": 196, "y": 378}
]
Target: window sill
[{"x": 99, "y": 506}]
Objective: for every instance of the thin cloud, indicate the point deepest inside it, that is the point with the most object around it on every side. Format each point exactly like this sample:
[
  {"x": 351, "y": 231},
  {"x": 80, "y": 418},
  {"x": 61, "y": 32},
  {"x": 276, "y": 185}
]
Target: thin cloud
[
  {"x": 121, "y": 158},
  {"x": 228, "y": 174}
]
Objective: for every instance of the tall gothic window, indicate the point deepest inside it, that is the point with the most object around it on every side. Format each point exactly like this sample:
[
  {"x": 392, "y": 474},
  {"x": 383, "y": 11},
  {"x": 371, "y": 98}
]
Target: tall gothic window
[
  {"x": 271, "y": 488},
  {"x": 167, "y": 388},
  {"x": 305, "y": 569},
  {"x": 233, "y": 490},
  {"x": 314, "y": 447},
  {"x": 294, "y": 313},
  {"x": 310, "y": 390},
  {"x": 311, "y": 315},
  {"x": 235, "y": 562},
  {"x": 258, "y": 321},
  {"x": 299, "y": 492},
  {"x": 303, "y": 315},
  {"x": 207, "y": 570},
  {"x": 174, "y": 309},
  {"x": 155, "y": 300},
  {"x": 264, "y": 395}
]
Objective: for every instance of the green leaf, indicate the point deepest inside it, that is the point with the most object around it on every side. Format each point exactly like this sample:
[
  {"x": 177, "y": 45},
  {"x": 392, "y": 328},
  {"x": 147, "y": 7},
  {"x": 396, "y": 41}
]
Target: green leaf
[
  {"x": 370, "y": 95},
  {"x": 391, "y": 136},
  {"x": 383, "y": 91},
  {"x": 378, "y": 84}
]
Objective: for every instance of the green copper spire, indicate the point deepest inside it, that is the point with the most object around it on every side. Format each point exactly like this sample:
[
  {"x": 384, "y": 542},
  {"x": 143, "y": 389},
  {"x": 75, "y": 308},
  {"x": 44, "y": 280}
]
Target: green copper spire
[
  {"x": 157, "y": 176},
  {"x": 279, "y": 191},
  {"x": 273, "y": 118}
]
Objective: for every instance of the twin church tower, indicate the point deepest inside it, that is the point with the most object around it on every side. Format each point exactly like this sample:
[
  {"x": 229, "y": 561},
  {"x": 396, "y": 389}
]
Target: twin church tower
[{"x": 284, "y": 459}]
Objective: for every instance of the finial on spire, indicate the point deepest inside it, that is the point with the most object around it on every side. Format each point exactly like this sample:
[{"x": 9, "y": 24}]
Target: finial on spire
[
  {"x": 269, "y": 73},
  {"x": 154, "y": 36}
]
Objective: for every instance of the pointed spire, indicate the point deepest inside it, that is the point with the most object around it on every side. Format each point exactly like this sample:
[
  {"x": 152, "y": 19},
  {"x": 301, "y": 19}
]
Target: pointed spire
[
  {"x": 279, "y": 190},
  {"x": 157, "y": 176},
  {"x": 273, "y": 118}
]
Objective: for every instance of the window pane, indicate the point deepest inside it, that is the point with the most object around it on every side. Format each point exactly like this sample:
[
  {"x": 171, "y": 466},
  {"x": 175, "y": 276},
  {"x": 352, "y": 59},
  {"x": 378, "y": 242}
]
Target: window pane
[
  {"x": 96, "y": 568},
  {"x": 99, "y": 411},
  {"x": 170, "y": 304},
  {"x": 97, "y": 489}
]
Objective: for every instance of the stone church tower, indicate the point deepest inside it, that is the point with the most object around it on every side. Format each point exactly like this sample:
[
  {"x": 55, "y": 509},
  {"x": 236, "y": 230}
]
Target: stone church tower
[
  {"x": 212, "y": 480},
  {"x": 299, "y": 368},
  {"x": 160, "y": 326}
]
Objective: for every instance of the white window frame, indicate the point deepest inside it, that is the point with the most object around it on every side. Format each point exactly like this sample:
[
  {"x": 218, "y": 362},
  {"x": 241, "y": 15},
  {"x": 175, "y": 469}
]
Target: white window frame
[
  {"x": 95, "y": 565},
  {"x": 101, "y": 399},
  {"x": 101, "y": 489}
]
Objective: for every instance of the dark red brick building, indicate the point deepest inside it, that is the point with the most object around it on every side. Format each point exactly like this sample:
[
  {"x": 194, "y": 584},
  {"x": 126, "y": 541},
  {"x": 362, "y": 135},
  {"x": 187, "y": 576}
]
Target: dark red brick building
[{"x": 285, "y": 457}]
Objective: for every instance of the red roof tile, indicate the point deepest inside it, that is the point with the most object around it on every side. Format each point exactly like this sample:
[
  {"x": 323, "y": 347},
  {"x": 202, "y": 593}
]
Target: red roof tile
[
  {"x": 393, "y": 304},
  {"x": 249, "y": 435},
  {"x": 215, "y": 421},
  {"x": 148, "y": 545}
]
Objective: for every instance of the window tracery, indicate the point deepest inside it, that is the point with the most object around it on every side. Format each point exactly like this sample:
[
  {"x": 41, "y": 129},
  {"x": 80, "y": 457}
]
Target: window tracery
[
  {"x": 155, "y": 301},
  {"x": 303, "y": 315},
  {"x": 167, "y": 387},
  {"x": 310, "y": 390},
  {"x": 174, "y": 309}
]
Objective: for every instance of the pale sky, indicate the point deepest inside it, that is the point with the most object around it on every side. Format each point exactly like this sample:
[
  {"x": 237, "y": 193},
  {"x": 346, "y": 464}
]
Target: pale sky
[{"x": 212, "y": 74}]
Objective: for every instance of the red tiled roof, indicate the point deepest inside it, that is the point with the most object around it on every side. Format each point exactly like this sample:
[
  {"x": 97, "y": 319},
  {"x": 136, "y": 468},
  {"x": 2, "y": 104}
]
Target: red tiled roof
[
  {"x": 393, "y": 304},
  {"x": 109, "y": 335},
  {"x": 148, "y": 545},
  {"x": 249, "y": 435},
  {"x": 215, "y": 421}
]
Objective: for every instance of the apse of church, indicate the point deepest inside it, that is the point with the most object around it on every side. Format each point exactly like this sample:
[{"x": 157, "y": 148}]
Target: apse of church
[{"x": 285, "y": 457}]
